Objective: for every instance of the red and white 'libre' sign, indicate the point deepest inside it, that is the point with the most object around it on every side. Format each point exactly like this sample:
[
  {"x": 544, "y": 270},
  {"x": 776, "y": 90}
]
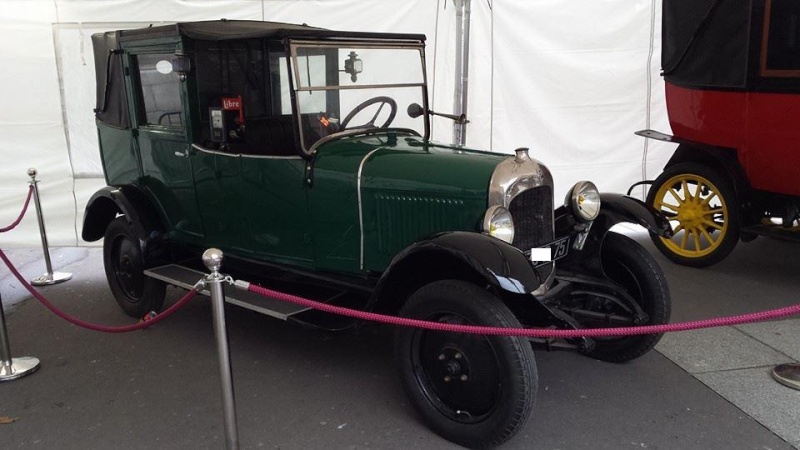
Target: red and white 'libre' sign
[
  {"x": 234, "y": 104},
  {"x": 231, "y": 103}
]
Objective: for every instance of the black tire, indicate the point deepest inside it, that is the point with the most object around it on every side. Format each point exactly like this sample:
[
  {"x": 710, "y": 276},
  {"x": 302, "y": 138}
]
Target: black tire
[
  {"x": 629, "y": 265},
  {"x": 705, "y": 232},
  {"x": 476, "y": 391},
  {"x": 124, "y": 262}
]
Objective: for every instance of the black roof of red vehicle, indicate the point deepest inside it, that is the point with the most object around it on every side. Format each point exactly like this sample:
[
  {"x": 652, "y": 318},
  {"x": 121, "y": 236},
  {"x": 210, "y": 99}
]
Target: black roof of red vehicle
[{"x": 706, "y": 43}]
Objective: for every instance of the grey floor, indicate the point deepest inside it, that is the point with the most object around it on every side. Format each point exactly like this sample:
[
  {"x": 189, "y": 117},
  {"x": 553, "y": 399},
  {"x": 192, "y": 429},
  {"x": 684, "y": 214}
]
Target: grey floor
[{"x": 305, "y": 389}]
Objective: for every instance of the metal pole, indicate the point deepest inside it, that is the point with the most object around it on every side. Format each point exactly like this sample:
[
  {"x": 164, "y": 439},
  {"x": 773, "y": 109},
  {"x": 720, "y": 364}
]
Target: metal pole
[
  {"x": 50, "y": 277},
  {"x": 212, "y": 258},
  {"x": 788, "y": 374},
  {"x": 12, "y": 368},
  {"x": 462, "y": 68}
]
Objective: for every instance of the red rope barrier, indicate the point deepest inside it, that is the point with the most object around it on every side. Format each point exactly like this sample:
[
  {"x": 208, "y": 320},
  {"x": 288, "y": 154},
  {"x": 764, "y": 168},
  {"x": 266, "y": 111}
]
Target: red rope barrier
[
  {"x": 92, "y": 326},
  {"x": 529, "y": 332},
  {"x": 22, "y": 214},
  {"x": 407, "y": 322}
]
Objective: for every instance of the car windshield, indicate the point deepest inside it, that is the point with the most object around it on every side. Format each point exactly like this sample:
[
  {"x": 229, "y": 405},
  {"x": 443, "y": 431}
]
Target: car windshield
[{"x": 343, "y": 86}]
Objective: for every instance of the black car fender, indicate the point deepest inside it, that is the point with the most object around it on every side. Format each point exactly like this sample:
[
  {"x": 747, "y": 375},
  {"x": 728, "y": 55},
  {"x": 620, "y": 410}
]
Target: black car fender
[
  {"x": 111, "y": 201},
  {"x": 719, "y": 158},
  {"x": 723, "y": 159},
  {"x": 614, "y": 209},
  {"x": 463, "y": 255},
  {"x": 618, "y": 208}
]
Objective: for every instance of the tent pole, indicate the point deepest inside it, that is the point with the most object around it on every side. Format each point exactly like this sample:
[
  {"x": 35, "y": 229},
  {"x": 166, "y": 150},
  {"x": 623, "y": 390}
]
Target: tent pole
[{"x": 462, "y": 68}]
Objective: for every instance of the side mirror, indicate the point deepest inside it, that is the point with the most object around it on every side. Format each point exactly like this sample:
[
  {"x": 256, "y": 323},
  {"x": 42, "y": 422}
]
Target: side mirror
[{"x": 353, "y": 66}]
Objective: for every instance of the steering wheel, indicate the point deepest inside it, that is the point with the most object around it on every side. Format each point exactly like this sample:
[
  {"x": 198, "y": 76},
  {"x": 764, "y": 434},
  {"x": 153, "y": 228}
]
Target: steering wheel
[{"x": 383, "y": 100}]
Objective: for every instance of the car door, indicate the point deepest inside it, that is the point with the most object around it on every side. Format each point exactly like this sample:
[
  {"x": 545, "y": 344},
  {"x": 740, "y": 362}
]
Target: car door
[{"x": 161, "y": 135}]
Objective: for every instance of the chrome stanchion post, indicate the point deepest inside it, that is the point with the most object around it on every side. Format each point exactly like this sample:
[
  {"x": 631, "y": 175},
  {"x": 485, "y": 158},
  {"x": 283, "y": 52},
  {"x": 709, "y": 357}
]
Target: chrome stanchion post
[
  {"x": 12, "y": 368},
  {"x": 50, "y": 277},
  {"x": 787, "y": 374},
  {"x": 212, "y": 258}
]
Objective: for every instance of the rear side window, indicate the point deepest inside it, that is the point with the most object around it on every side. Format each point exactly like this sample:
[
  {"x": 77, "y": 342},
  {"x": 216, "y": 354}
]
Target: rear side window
[
  {"x": 160, "y": 90},
  {"x": 780, "y": 53}
]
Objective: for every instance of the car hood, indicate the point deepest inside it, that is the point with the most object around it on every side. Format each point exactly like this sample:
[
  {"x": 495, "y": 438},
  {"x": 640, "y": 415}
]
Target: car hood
[{"x": 409, "y": 163}]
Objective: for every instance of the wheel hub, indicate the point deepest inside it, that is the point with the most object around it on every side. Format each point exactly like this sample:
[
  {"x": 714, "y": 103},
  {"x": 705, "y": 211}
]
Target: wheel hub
[
  {"x": 453, "y": 365},
  {"x": 692, "y": 215}
]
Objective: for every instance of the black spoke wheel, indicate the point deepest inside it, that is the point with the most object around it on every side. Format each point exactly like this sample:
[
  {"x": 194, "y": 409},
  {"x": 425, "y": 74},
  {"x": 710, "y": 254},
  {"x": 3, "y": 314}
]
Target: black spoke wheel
[
  {"x": 381, "y": 100},
  {"x": 124, "y": 263},
  {"x": 474, "y": 390},
  {"x": 630, "y": 266}
]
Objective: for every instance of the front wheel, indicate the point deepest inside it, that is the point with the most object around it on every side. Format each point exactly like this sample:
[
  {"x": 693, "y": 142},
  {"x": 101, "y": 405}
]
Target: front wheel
[
  {"x": 632, "y": 268},
  {"x": 476, "y": 391},
  {"x": 701, "y": 206},
  {"x": 136, "y": 293}
]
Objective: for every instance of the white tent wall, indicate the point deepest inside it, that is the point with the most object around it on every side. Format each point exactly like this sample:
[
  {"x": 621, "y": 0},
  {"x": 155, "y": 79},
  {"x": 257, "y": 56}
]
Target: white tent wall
[
  {"x": 567, "y": 79},
  {"x": 570, "y": 82}
]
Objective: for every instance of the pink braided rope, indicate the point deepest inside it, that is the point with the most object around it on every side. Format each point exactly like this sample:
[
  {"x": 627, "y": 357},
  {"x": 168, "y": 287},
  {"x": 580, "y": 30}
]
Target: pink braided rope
[
  {"x": 530, "y": 332},
  {"x": 22, "y": 214},
  {"x": 93, "y": 326}
]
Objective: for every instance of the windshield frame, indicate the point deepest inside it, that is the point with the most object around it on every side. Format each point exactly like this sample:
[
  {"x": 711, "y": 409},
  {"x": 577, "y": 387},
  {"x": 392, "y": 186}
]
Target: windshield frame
[{"x": 308, "y": 149}]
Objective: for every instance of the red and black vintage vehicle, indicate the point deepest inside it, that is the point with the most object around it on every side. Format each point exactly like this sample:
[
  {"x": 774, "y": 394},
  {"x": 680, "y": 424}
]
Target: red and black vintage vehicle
[{"x": 732, "y": 75}]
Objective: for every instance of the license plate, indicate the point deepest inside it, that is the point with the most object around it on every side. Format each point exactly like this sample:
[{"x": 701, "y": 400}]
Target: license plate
[{"x": 550, "y": 252}]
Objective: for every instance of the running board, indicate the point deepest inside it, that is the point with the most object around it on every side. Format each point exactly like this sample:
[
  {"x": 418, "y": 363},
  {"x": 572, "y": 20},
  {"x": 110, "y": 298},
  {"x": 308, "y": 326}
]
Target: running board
[{"x": 186, "y": 278}]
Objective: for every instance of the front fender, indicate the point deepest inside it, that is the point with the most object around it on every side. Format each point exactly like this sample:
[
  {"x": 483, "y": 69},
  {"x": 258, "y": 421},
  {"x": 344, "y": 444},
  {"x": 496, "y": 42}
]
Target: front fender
[
  {"x": 617, "y": 208},
  {"x": 614, "y": 209},
  {"x": 456, "y": 255}
]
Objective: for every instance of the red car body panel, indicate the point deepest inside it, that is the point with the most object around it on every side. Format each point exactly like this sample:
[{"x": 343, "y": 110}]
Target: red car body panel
[{"x": 763, "y": 129}]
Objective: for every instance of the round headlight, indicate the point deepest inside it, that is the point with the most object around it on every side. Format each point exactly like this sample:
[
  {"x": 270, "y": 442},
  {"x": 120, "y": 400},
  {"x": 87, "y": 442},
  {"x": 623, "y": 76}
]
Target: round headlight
[
  {"x": 584, "y": 200},
  {"x": 497, "y": 222}
]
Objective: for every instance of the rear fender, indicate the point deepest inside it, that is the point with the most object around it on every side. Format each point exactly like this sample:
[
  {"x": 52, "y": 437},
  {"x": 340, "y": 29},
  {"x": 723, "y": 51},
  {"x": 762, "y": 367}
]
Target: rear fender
[
  {"x": 109, "y": 202},
  {"x": 723, "y": 159}
]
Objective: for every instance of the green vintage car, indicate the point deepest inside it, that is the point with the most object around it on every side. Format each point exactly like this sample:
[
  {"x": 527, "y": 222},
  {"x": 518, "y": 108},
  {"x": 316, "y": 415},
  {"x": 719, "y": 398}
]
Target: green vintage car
[{"x": 304, "y": 154}]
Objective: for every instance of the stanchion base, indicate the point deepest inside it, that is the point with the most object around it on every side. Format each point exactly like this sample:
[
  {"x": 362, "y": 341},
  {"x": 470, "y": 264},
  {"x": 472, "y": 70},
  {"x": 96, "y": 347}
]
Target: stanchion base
[
  {"x": 19, "y": 367},
  {"x": 787, "y": 374},
  {"x": 48, "y": 279}
]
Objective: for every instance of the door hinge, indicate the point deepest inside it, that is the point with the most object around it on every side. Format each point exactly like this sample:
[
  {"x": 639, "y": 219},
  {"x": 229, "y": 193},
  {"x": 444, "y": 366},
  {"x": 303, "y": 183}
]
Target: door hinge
[{"x": 309, "y": 175}]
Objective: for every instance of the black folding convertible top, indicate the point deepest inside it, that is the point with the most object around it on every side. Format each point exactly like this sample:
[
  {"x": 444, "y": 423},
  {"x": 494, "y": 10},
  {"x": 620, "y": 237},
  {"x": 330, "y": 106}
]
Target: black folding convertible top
[
  {"x": 112, "y": 107},
  {"x": 219, "y": 30}
]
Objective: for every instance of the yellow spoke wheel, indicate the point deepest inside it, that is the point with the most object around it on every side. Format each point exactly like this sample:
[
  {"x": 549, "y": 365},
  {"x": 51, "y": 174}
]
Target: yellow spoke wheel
[{"x": 701, "y": 207}]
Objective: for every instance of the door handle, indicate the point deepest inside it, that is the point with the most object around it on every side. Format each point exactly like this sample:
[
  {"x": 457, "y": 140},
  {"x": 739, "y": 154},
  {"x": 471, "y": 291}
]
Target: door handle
[{"x": 182, "y": 154}]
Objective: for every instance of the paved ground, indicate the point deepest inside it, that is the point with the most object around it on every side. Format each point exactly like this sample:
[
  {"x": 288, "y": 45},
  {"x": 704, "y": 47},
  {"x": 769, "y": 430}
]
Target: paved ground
[{"x": 298, "y": 388}]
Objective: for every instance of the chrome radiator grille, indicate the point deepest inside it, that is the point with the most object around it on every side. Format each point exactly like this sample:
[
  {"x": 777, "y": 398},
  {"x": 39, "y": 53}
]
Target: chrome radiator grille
[{"x": 532, "y": 211}]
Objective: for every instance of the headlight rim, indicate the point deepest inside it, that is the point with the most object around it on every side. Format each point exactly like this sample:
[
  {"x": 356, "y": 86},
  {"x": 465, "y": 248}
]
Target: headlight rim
[
  {"x": 493, "y": 212},
  {"x": 573, "y": 200}
]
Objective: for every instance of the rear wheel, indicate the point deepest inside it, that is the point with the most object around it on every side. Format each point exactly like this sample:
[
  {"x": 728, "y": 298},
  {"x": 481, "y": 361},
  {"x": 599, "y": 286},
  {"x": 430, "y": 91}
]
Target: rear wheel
[
  {"x": 124, "y": 262},
  {"x": 476, "y": 391},
  {"x": 702, "y": 208}
]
